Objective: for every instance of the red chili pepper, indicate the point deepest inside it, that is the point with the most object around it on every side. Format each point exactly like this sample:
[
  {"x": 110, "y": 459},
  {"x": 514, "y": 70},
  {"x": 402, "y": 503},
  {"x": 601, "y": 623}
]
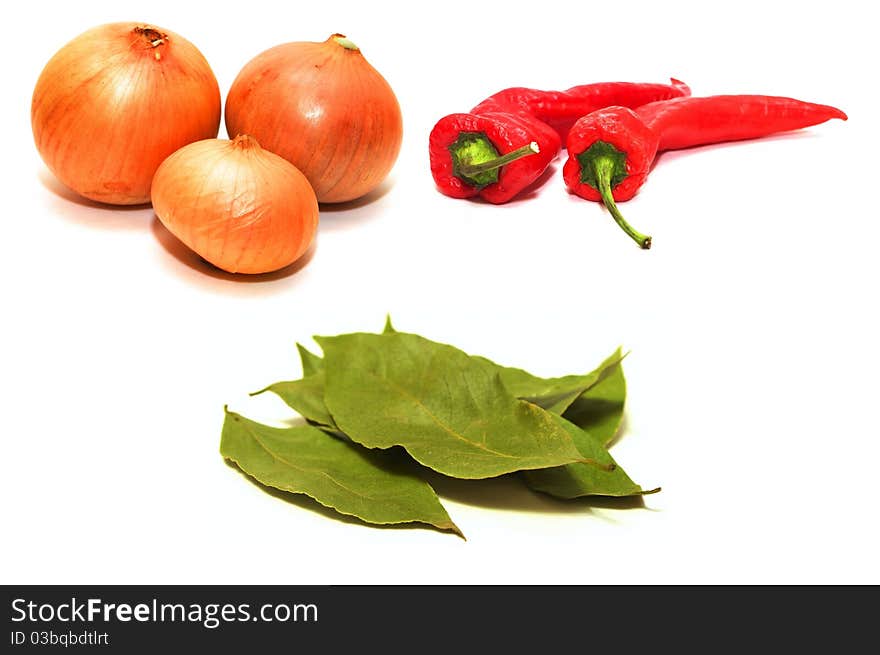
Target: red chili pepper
[
  {"x": 504, "y": 144},
  {"x": 493, "y": 155},
  {"x": 611, "y": 151},
  {"x": 560, "y": 109}
]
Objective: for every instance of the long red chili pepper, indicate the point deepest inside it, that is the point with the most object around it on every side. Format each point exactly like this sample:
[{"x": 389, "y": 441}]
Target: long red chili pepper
[
  {"x": 611, "y": 151},
  {"x": 505, "y": 144},
  {"x": 494, "y": 155},
  {"x": 560, "y": 109}
]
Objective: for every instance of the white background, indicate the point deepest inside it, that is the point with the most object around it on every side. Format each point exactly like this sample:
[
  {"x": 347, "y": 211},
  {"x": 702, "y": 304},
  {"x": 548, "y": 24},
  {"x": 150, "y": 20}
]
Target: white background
[{"x": 753, "y": 371}]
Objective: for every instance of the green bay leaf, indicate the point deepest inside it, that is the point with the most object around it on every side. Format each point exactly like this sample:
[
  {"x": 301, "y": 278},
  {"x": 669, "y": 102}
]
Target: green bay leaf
[
  {"x": 556, "y": 394},
  {"x": 311, "y": 363},
  {"x": 599, "y": 410},
  {"x": 553, "y": 394},
  {"x": 450, "y": 411},
  {"x": 601, "y": 477},
  {"x": 306, "y": 396},
  {"x": 348, "y": 478}
]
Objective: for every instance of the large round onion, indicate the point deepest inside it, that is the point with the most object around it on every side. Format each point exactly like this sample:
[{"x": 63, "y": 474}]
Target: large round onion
[
  {"x": 325, "y": 109},
  {"x": 113, "y": 103},
  {"x": 242, "y": 208}
]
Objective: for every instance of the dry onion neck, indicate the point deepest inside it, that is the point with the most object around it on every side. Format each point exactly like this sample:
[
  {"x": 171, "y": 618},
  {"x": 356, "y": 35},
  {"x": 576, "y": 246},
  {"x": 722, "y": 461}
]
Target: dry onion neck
[
  {"x": 245, "y": 142},
  {"x": 345, "y": 42},
  {"x": 153, "y": 37}
]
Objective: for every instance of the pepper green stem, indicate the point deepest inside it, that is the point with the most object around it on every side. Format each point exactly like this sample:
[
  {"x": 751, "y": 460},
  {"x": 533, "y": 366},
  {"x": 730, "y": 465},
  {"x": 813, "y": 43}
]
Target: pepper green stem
[
  {"x": 603, "y": 169},
  {"x": 471, "y": 170}
]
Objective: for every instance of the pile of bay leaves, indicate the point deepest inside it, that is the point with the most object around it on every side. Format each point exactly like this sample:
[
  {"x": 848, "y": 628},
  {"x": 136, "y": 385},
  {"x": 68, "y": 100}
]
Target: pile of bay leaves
[{"x": 379, "y": 407}]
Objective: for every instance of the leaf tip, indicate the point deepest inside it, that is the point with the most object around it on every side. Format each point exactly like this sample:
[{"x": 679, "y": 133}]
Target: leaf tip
[
  {"x": 451, "y": 527},
  {"x": 303, "y": 351}
]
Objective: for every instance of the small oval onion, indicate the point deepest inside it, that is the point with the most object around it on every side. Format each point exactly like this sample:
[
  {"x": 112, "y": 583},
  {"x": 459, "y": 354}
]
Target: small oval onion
[
  {"x": 242, "y": 208},
  {"x": 325, "y": 109},
  {"x": 113, "y": 103}
]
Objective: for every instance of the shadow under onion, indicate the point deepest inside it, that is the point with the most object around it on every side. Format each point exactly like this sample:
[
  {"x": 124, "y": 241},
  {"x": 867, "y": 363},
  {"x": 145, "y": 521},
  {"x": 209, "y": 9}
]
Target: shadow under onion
[
  {"x": 376, "y": 194},
  {"x": 179, "y": 251},
  {"x": 91, "y": 213}
]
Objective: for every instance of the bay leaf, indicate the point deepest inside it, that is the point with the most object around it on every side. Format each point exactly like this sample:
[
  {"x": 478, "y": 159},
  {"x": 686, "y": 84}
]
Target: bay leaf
[
  {"x": 306, "y": 396},
  {"x": 338, "y": 474},
  {"x": 450, "y": 411},
  {"x": 311, "y": 363},
  {"x": 602, "y": 477},
  {"x": 555, "y": 394},
  {"x": 599, "y": 410}
]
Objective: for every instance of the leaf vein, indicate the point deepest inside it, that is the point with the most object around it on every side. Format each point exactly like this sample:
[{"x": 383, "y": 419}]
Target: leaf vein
[
  {"x": 305, "y": 469},
  {"x": 424, "y": 408}
]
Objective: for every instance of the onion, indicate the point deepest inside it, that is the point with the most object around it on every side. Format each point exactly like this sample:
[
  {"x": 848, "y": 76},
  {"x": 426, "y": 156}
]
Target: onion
[
  {"x": 113, "y": 103},
  {"x": 242, "y": 208},
  {"x": 325, "y": 109}
]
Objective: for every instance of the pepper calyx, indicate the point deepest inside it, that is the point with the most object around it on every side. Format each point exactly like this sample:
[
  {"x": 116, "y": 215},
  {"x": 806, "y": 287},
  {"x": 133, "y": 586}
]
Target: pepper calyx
[
  {"x": 604, "y": 167},
  {"x": 605, "y": 151},
  {"x": 476, "y": 160}
]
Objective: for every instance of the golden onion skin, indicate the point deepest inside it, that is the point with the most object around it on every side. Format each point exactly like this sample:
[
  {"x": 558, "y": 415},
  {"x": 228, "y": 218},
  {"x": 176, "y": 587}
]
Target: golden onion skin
[
  {"x": 240, "y": 207},
  {"x": 114, "y": 102},
  {"x": 325, "y": 109}
]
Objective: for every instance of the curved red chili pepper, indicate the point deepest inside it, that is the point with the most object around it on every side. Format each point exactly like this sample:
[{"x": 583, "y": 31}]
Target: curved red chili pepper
[
  {"x": 560, "y": 109},
  {"x": 488, "y": 152},
  {"x": 611, "y": 151},
  {"x": 503, "y": 135}
]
